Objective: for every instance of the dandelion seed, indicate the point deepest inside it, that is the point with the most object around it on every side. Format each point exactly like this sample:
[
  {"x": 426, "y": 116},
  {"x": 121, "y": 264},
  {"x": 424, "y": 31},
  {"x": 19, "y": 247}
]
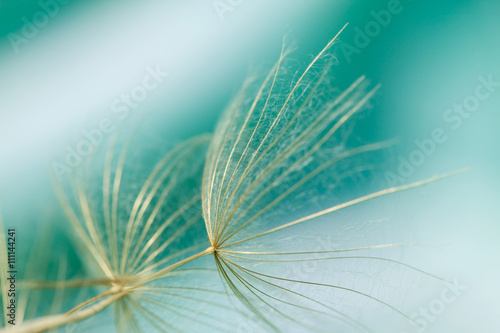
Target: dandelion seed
[
  {"x": 268, "y": 150},
  {"x": 147, "y": 249}
]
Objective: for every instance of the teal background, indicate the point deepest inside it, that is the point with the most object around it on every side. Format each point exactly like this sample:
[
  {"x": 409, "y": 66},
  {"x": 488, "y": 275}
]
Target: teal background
[{"x": 428, "y": 58}]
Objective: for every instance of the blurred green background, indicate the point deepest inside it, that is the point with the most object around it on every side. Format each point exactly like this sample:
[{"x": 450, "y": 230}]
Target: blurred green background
[{"x": 63, "y": 76}]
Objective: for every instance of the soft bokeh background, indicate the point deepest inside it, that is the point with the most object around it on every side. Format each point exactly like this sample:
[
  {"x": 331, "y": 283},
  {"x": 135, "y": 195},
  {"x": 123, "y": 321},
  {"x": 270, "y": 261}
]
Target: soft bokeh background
[{"x": 67, "y": 75}]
